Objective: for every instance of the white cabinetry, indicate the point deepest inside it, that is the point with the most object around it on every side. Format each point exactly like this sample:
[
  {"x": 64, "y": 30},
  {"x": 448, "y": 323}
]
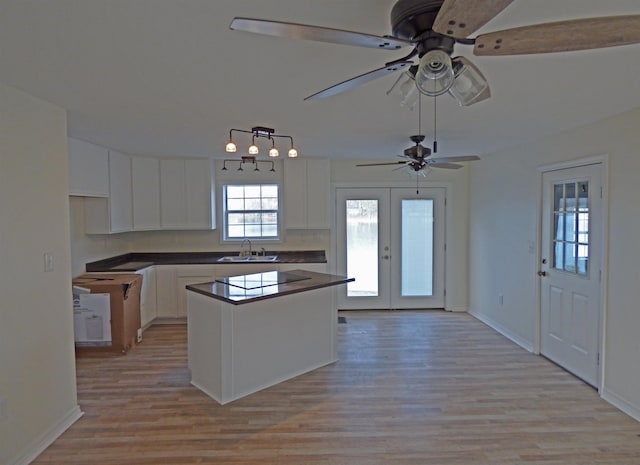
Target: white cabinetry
[
  {"x": 166, "y": 291},
  {"x": 88, "y": 169},
  {"x": 186, "y": 194},
  {"x": 190, "y": 274},
  {"x": 145, "y": 180},
  {"x": 148, "y": 310},
  {"x": 307, "y": 192},
  {"x": 113, "y": 214},
  {"x": 317, "y": 267}
]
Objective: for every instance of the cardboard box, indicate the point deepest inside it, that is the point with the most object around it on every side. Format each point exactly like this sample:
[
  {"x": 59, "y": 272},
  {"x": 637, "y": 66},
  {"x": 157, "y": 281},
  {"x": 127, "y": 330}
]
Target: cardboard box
[
  {"x": 124, "y": 311},
  {"x": 91, "y": 318}
]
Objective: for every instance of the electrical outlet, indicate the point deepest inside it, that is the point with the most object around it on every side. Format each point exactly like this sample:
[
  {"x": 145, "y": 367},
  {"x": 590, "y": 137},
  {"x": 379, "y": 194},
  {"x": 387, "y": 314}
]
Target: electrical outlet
[
  {"x": 4, "y": 410},
  {"x": 48, "y": 262}
]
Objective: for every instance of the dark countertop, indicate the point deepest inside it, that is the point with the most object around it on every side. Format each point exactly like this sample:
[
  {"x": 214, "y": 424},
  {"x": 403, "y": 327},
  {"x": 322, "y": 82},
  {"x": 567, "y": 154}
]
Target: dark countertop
[
  {"x": 135, "y": 261},
  {"x": 237, "y": 295}
]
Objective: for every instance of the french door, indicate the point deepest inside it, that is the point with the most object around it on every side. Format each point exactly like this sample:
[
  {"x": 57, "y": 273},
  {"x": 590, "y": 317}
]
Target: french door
[
  {"x": 391, "y": 240},
  {"x": 571, "y": 267}
]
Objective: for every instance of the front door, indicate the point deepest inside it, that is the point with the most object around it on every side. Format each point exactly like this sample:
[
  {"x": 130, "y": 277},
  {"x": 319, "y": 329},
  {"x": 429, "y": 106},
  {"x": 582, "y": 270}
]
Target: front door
[
  {"x": 391, "y": 240},
  {"x": 570, "y": 271}
]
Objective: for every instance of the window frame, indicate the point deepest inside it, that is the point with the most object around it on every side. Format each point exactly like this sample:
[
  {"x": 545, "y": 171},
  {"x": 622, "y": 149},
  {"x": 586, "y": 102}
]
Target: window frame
[{"x": 224, "y": 213}]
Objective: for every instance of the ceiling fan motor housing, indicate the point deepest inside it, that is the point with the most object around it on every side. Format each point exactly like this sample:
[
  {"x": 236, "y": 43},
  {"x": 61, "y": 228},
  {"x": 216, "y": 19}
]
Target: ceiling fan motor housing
[{"x": 411, "y": 18}]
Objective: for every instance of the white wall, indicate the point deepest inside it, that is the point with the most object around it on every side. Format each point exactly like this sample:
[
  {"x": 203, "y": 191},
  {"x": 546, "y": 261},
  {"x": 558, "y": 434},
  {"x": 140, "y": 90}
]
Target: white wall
[
  {"x": 503, "y": 221},
  {"x": 457, "y": 183},
  {"x": 37, "y": 364}
]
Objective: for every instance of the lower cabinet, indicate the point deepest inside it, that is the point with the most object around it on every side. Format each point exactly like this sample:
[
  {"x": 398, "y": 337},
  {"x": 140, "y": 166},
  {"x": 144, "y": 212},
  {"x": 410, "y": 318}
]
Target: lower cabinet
[
  {"x": 148, "y": 309},
  {"x": 170, "y": 281}
]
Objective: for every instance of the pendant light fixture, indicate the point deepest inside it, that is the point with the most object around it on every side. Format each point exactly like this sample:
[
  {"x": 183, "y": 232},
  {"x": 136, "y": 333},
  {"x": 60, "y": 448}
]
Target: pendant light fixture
[{"x": 256, "y": 133}]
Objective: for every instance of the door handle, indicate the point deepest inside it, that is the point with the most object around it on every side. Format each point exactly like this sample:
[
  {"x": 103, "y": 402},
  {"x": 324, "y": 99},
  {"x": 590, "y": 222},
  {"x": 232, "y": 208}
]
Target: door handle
[
  {"x": 542, "y": 273},
  {"x": 386, "y": 257}
]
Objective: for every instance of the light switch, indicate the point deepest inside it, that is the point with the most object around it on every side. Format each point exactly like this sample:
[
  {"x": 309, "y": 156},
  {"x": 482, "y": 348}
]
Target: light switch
[{"x": 48, "y": 262}]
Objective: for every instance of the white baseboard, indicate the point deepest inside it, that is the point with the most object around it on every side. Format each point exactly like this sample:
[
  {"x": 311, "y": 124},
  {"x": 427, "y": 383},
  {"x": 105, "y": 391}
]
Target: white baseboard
[
  {"x": 621, "y": 403},
  {"x": 526, "y": 345},
  {"x": 45, "y": 440},
  {"x": 457, "y": 309}
]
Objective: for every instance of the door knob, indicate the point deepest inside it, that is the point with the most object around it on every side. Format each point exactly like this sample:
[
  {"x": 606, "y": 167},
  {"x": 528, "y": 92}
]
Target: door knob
[
  {"x": 386, "y": 257},
  {"x": 542, "y": 273}
]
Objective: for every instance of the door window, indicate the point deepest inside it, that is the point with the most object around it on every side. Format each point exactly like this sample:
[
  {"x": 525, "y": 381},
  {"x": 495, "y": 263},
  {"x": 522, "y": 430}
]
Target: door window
[
  {"x": 571, "y": 227},
  {"x": 362, "y": 247}
]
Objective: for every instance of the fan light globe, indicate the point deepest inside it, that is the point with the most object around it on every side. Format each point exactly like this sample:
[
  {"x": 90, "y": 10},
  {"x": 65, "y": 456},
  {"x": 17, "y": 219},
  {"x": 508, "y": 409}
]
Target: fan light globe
[
  {"x": 293, "y": 153},
  {"x": 435, "y": 73},
  {"x": 231, "y": 147}
]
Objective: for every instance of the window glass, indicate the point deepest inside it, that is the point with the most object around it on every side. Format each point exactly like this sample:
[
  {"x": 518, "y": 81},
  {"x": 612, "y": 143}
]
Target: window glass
[
  {"x": 571, "y": 227},
  {"x": 251, "y": 211}
]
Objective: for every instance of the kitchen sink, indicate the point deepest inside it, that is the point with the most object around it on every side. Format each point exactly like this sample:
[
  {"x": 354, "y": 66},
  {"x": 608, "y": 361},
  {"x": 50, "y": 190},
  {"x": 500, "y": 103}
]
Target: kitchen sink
[{"x": 248, "y": 258}]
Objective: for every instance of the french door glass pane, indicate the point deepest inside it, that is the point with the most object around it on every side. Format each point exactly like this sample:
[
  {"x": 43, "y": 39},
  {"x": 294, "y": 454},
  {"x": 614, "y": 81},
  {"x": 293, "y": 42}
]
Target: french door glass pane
[
  {"x": 417, "y": 247},
  {"x": 362, "y": 247}
]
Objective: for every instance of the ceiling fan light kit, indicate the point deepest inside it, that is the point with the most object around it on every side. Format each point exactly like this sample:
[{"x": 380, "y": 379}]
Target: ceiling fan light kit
[
  {"x": 434, "y": 27},
  {"x": 435, "y": 73}
]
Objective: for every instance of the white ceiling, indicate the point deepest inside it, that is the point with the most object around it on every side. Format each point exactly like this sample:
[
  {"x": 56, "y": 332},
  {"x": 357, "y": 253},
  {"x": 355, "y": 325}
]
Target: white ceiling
[{"x": 168, "y": 77}]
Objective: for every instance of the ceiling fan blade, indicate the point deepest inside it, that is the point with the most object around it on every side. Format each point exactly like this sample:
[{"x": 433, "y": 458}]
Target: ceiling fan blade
[
  {"x": 454, "y": 159},
  {"x": 384, "y": 163},
  {"x": 449, "y": 166},
  {"x": 561, "y": 36},
  {"x": 359, "y": 80},
  {"x": 461, "y": 18},
  {"x": 317, "y": 33}
]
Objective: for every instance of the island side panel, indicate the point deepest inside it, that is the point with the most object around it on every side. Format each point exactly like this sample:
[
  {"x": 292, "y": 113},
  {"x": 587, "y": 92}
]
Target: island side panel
[
  {"x": 278, "y": 339},
  {"x": 206, "y": 339}
]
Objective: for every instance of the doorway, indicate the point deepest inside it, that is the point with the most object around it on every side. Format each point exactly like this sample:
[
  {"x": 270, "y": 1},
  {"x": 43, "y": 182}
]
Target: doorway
[
  {"x": 391, "y": 240},
  {"x": 571, "y": 269}
]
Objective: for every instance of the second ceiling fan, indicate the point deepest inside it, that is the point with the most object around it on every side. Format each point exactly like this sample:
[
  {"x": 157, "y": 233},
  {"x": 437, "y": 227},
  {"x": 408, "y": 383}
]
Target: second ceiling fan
[{"x": 434, "y": 27}]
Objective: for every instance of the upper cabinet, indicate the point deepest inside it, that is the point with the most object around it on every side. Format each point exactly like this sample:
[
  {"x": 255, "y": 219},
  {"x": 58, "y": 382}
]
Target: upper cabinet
[
  {"x": 145, "y": 183},
  {"x": 135, "y": 193},
  {"x": 88, "y": 169},
  {"x": 187, "y": 194},
  {"x": 115, "y": 213},
  {"x": 307, "y": 192}
]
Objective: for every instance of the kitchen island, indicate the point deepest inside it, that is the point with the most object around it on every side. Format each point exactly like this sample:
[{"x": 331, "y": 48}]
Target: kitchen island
[{"x": 249, "y": 332}]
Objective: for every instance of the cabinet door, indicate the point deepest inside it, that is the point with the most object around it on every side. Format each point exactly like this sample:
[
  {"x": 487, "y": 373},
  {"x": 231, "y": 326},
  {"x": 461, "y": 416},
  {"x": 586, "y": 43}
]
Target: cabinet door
[
  {"x": 173, "y": 194},
  {"x": 166, "y": 292},
  {"x": 145, "y": 174},
  {"x": 198, "y": 179},
  {"x": 295, "y": 194},
  {"x": 112, "y": 214},
  {"x": 318, "y": 194},
  {"x": 317, "y": 267},
  {"x": 148, "y": 310},
  {"x": 307, "y": 192},
  {"x": 88, "y": 169},
  {"x": 120, "y": 197}
]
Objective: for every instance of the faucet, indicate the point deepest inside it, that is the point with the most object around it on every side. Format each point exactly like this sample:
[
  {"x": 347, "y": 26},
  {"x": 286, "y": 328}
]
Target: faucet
[{"x": 244, "y": 253}]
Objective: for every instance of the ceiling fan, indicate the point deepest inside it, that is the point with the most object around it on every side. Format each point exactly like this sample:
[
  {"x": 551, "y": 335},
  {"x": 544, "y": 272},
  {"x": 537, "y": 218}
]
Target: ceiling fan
[
  {"x": 434, "y": 27},
  {"x": 418, "y": 157}
]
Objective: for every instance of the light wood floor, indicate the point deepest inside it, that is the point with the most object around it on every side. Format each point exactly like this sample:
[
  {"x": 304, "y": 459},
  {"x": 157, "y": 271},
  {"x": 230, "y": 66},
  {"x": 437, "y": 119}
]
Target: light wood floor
[{"x": 410, "y": 388}]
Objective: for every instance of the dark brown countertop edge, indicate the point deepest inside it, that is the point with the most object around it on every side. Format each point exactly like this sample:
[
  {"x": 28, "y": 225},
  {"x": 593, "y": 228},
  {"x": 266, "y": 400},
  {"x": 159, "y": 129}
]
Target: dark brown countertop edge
[
  {"x": 317, "y": 281},
  {"x": 197, "y": 258}
]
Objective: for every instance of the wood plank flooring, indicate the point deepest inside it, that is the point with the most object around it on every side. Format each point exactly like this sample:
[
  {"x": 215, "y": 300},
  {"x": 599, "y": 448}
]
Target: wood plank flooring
[{"x": 410, "y": 387}]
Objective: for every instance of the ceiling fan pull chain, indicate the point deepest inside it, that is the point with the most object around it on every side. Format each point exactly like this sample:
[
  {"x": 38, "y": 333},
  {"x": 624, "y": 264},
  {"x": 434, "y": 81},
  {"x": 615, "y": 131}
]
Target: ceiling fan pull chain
[{"x": 435, "y": 124}]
